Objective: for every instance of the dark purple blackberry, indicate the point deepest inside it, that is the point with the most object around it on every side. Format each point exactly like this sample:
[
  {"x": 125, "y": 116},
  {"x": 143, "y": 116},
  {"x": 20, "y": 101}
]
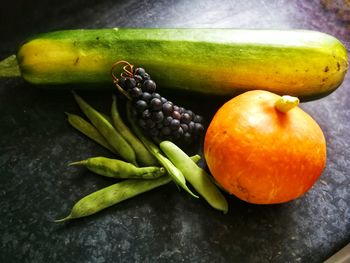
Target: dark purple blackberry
[
  {"x": 140, "y": 71},
  {"x": 186, "y": 118},
  {"x": 122, "y": 83},
  {"x": 138, "y": 80},
  {"x": 156, "y": 95},
  {"x": 191, "y": 127},
  {"x": 167, "y": 121},
  {"x": 177, "y": 133},
  {"x": 130, "y": 83},
  {"x": 135, "y": 93},
  {"x": 146, "y": 76},
  {"x": 175, "y": 124},
  {"x": 149, "y": 86},
  {"x": 141, "y": 105},
  {"x": 146, "y": 96},
  {"x": 198, "y": 118},
  {"x": 176, "y": 115},
  {"x": 159, "y": 118},
  {"x": 146, "y": 114},
  {"x": 184, "y": 126},
  {"x": 167, "y": 108},
  {"x": 198, "y": 128},
  {"x": 156, "y": 104}
]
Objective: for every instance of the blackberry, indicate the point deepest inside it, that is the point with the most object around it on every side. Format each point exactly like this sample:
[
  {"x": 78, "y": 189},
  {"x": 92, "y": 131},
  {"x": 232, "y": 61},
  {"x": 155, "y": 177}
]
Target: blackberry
[
  {"x": 184, "y": 127},
  {"x": 135, "y": 93},
  {"x": 146, "y": 96},
  {"x": 146, "y": 114},
  {"x": 175, "y": 124},
  {"x": 191, "y": 126},
  {"x": 146, "y": 76},
  {"x": 167, "y": 108},
  {"x": 156, "y": 104},
  {"x": 149, "y": 86},
  {"x": 130, "y": 83},
  {"x": 141, "y": 105},
  {"x": 156, "y": 95},
  {"x": 167, "y": 121},
  {"x": 158, "y": 117},
  {"x": 140, "y": 72},
  {"x": 176, "y": 115},
  {"x": 138, "y": 80},
  {"x": 186, "y": 118}
]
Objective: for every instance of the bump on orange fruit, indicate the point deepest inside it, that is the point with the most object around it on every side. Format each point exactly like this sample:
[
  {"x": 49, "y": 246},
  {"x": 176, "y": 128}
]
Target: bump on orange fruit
[{"x": 260, "y": 154}]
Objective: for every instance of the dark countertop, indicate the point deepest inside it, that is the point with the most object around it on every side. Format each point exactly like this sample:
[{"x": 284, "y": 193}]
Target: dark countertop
[{"x": 163, "y": 225}]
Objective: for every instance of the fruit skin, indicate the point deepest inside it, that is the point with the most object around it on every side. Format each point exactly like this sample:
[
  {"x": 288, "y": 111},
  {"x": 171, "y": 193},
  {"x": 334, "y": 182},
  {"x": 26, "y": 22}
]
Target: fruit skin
[
  {"x": 305, "y": 64},
  {"x": 261, "y": 155}
]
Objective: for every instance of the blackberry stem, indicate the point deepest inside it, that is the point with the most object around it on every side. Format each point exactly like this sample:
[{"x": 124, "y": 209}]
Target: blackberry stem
[{"x": 126, "y": 71}]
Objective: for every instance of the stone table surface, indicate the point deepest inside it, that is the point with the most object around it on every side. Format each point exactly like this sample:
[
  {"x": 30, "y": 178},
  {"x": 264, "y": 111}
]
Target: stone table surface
[{"x": 163, "y": 225}]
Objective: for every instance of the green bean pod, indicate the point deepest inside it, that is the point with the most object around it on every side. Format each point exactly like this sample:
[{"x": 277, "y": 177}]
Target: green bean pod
[
  {"x": 198, "y": 178},
  {"x": 143, "y": 156},
  {"x": 88, "y": 130},
  {"x": 107, "y": 117},
  {"x": 119, "y": 144},
  {"x": 196, "y": 158},
  {"x": 172, "y": 171},
  {"x": 120, "y": 169},
  {"x": 112, "y": 195}
]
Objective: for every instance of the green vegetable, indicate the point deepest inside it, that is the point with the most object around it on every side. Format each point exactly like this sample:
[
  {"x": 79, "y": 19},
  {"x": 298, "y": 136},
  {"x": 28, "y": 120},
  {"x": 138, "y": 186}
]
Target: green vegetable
[
  {"x": 173, "y": 172},
  {"x": 119, "y": 169},
  {"x": 107, "y": 117},
  {"x": 198, "y": 178},
  {"x": 195, "y": 158},
  {"x": 143, "y": 156},
  {"x": 89, "y": 130},
  {"x": 300, "y": 63},
  {"x": 112, "y": 195},
  {"x": 119, "y": 144},
  {"x": 9, "y": 67}
]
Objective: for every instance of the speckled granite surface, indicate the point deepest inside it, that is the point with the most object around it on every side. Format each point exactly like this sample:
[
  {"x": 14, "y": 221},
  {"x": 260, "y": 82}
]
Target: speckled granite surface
[{"x": 164, "y": 225}]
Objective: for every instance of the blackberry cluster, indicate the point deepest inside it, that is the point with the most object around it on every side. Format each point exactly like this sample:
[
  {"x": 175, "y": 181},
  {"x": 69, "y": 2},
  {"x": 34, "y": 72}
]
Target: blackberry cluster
[{"x": 159, "y": 118}]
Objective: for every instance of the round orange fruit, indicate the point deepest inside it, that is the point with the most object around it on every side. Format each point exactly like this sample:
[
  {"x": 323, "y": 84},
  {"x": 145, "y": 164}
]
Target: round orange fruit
[{"x": 264, "y": 149}]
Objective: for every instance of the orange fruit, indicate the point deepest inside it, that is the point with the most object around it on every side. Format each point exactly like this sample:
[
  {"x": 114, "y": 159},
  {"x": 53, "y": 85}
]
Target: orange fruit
[{"x": 264, "y": 153}]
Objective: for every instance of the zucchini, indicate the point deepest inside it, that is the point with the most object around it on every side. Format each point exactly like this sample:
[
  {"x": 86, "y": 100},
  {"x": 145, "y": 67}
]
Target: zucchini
[{"x": 301, "y": 63}]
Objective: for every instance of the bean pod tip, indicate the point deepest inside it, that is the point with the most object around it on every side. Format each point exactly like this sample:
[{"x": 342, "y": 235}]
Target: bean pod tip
[
  {"x": 67, "y": 218},
  {"x": 83, "y": 162}
]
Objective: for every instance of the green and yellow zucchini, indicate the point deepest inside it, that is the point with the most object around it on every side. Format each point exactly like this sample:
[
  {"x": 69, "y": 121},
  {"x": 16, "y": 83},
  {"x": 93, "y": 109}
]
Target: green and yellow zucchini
[{"x": 305, "y": 64}]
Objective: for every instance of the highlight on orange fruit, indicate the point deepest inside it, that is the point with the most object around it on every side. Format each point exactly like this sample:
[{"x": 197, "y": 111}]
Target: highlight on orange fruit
[{"x": 264, "y": 149}]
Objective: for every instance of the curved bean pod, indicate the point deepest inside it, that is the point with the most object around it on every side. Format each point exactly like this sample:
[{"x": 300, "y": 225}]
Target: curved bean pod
[
  {"x": 199, "y": 179},
  {"x": 119, "y": 144},
  {"x": 143, "y": 156},
  {"x": 88, "y": 129},
  {"x": 120, "y": 169},
  {"x": 112, "y": 195}
]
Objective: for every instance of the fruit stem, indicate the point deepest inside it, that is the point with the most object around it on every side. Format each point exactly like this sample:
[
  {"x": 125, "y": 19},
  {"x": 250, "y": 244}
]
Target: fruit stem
[
  {"x": 126, "y": 71},
  {"x": 286, "y": 103},
  {"x": 9, "y": 67}
]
